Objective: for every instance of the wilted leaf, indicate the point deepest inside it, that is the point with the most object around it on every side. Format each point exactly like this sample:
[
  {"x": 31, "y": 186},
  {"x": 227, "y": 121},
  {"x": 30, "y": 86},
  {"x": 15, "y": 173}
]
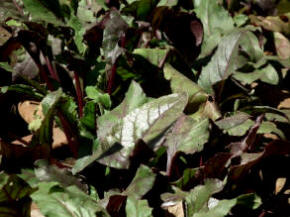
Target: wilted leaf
[
  {"x": 275, "y": 24},
  {"x": 282, "y": 45}
]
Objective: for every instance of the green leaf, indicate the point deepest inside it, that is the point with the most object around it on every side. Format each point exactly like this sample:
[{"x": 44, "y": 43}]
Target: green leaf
[
  {"x": 216, "y": 23},
  {"x": 50, "y": 173},
  {"x": 137, "y": 208},
  {"x": 268, "y": 74},
  {"x": 168, "y": 3},
  {"x": 154, "y": 55},
  {"x": 42, "y": 10},
  {"x": 79, "y": 31},
  {"x": 26, "y": 90},
  {"x": 98, "y": 97},
  {"x": 141, "y": 184},
  {"x": 180, "y": 83},
  {"x": 140, "y": 9},
  {"x": 232, "y": 121},
  {"x": 134, "y": 98},
  {"x": 146, "y": 123},
  {"x": 14, "y": 196},
  {"x": 43, "y": 135},
  {"x": 186, "y": 135},
  {"x": 224, "y": 62},
  {"x": 55, "y": 201}
]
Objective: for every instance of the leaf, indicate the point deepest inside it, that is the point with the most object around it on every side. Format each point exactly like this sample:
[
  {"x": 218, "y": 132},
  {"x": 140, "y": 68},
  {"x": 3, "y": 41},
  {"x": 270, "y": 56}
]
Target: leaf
[
  {"x": 146, "y": 123},
  {"x": 115, "y": 28},
  {"x": 232, "y": 121},
  {"x": 50, "y": 173},
  {"x": 26, "y": 68},
  {"x": 186, "y": 135},
  {"x": 137, "y": 208},
  {"x": 282, "y": 45},
  {"x": 168, "y": 3},
  {"x": 98, "y": 97},
  {"x": 224, "y": 62},
  {"x": 272, "y": 23},
  {"x": 5, "y": 35},
  {"x": 268, "y": 74},
  {"x": 9, "y": 10},
  {"x": 134, "y": 98},
  {"x": 141, "y": 183},
  {"x": 14, "y": 196},
  {"x": 41, "y": 10},
  {"x": 216, "y": 23},
  {"x": 55, "y": 201},
  {"x": 79, "y": 31},
  {"x": 24, "y": 89},
  {"x": 43, "y": 136},
  {"x": 180, "y": 83},
  {"x": 154, "y": 55},
  {"x": 139, "y": 9}
]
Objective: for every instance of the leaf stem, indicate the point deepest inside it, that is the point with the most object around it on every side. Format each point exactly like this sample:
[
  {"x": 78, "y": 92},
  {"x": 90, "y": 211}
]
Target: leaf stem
[
  {"x": 79, "y": 94},
  {"x": 50, "y": 68}
]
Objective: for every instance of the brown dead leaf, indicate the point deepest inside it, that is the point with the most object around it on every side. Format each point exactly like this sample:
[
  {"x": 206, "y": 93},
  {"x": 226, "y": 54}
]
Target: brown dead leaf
[
  {"x": 284, "y": 104},
  {"x": 176, "y": 210},
  {"x": 35, "y": 212},
  {"x": 29, "y": 111},
  {"x": 280, "y": 183}
]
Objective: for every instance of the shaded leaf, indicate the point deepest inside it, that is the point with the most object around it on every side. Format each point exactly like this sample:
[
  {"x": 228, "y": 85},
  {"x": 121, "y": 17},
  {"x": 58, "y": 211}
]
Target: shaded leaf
[
  {"x": 180, "y": 83},
  {"x": 186, "y": 135},
  {"x": 154, "y": 55},
  {"x": 141, "y": 183},
  {"x": 14, "y": 196},
  {"x": 216, "y": 22},
  {"x": 224, "y": 62},
  {"x": 42, "y": 10},
  {"x": 115, "y": 28},
  {"x": 137, "y": 208}
]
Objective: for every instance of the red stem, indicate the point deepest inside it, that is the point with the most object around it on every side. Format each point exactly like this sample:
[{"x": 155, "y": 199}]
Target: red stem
[
  {"x": 50, "y": 68},
  {"x": 79, "y": 94},
  {"x": 111, "y": 79},
  {"x": 72, "y": 140}
]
